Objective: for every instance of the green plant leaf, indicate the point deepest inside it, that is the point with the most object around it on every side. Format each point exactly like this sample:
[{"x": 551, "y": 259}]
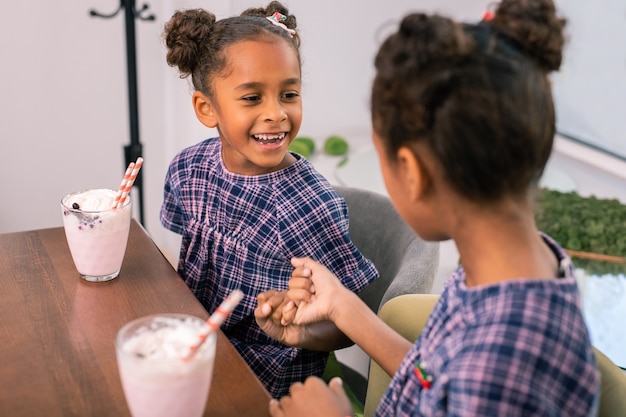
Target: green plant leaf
[
  {"x": 588, "y": 224},
  {"x": 336, "y": 145}
]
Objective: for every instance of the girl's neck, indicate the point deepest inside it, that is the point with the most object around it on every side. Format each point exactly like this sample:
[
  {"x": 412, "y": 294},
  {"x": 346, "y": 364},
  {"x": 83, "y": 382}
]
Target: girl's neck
[{"x": 502, "y": 245}]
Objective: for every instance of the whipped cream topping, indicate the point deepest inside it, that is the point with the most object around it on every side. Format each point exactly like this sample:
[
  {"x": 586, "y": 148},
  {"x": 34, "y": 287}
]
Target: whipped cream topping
[
  {"x": 92, "y": 200},
  {"x": 165, "y": 338}
]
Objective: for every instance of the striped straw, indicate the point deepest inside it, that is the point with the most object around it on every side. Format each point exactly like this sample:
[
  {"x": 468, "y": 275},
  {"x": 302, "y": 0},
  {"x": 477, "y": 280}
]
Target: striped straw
[
  {"x": 215, "y": 321},
  {"x": 129, "y": 184},
  {"x": 122, "y": 187}
]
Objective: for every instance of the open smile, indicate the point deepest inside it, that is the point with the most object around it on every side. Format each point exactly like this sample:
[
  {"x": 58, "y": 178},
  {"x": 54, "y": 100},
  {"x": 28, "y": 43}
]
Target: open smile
[{"x": 270, "y": 138}]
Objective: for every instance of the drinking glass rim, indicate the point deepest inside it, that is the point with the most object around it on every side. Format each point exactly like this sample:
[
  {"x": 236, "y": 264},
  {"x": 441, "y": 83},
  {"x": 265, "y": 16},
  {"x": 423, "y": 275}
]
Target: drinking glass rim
[
  {"x": 67, "y": 196},
  {"x": 148, "y": 318}
]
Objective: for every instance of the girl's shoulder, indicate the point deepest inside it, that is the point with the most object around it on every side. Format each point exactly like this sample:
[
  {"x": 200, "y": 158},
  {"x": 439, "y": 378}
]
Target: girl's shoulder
[
  {"x": 194, "y": 158},
  {"x": 526, "y": 298},
  {"x": 522, "y": 301}
]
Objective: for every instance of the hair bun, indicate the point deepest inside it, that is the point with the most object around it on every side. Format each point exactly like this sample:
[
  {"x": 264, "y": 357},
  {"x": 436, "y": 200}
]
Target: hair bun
[
  {"x": 184, "y": 34},
  {"x": 534, "y": 27},
  {"x": 433, "y": 38}
]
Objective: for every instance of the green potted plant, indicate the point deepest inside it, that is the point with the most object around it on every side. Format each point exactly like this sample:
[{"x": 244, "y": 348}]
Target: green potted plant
[{"x": 592, "y": 229}]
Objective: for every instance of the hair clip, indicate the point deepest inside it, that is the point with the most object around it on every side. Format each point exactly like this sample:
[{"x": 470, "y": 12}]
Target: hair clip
[
  {"x": 490, "y": 12},
  {"x": 276, "y": 20},
  {"x": 424, "y": 379},
  {"x": 277, "y": 17}
]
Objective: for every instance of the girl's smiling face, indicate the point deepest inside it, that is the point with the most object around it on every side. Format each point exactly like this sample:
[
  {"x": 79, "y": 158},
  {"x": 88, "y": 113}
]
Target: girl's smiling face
[{"x": 256, "y": 105}]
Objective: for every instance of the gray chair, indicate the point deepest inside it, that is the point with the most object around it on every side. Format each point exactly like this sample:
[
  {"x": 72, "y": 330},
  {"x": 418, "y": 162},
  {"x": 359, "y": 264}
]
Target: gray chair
[{"x": 406, "y": 263}]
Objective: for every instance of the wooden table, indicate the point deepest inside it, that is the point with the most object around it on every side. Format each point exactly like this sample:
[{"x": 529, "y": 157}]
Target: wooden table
[{"x": 57, "y": 350}]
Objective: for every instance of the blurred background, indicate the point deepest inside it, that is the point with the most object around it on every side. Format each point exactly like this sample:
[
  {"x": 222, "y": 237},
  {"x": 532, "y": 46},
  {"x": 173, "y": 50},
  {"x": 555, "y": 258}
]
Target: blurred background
[{"x": 63, "y": 92}]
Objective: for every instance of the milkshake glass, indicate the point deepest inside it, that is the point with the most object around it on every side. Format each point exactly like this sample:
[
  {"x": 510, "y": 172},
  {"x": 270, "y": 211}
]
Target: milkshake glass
[
  {"x": 96, "y": 234},
  {"x": 157, "y": 382}
]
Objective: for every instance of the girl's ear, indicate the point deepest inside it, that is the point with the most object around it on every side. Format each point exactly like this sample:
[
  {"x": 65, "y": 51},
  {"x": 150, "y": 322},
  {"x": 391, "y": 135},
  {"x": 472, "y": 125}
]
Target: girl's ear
[
  {"x": 204, "y": 108},
  {"x": 414, "y": 173}
]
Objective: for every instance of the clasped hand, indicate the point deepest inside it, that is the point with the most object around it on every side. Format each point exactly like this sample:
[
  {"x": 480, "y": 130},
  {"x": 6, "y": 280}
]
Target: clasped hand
[
  {"x": 284, "y": 315},
  {"x": 291, "y": 317}
]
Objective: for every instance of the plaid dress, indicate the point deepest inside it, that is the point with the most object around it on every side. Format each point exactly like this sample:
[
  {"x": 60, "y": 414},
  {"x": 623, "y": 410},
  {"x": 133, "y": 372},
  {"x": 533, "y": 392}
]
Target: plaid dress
[
  {"x": 241, "y": 232},
  {"x": 516, "y": 348}
]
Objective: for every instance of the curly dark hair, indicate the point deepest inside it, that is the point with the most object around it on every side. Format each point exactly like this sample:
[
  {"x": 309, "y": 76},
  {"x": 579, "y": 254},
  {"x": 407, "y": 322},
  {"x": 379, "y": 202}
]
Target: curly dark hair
[
  {"x": 478, "y": 94},
  {"x": 196, "y": 40}
]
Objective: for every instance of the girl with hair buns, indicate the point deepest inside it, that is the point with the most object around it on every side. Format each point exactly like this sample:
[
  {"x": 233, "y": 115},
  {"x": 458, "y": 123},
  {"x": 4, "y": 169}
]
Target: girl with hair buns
[
  {"x": 463, "y": 122},
  {"x": 243, "y": 204}
]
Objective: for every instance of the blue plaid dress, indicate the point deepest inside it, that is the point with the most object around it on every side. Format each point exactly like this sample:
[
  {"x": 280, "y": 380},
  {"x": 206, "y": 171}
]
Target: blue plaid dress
[
  {"x": 241, "y": 232},
  {"x": 516, "y": 348}
]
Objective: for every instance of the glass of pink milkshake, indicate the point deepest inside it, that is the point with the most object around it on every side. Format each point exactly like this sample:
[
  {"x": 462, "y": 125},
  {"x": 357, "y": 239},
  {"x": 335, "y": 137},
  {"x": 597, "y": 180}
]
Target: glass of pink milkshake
[
  {"x": 96, "y": 234},
  {"x": 157, "y": 381}
]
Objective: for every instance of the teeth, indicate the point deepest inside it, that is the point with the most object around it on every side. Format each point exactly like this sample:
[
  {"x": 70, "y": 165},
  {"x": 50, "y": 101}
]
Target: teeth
[{"x": 270, "y": 137}]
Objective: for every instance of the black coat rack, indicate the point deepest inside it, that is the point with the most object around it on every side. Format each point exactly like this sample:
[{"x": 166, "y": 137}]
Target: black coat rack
[{"x": 134, "y": 149}]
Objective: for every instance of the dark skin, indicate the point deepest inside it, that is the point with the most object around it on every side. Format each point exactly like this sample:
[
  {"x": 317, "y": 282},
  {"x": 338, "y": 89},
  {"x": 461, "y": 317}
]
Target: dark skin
[
  {"x": 321, "y": 336},
  {"x": 313, "y": 323},
  {"x": 313, "y": 396},
  {"x": 497, "y": 242}
]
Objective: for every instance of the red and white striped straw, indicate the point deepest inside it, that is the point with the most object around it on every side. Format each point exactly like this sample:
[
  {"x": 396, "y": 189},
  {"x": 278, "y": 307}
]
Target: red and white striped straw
[
  {"x": 129, "y": 184},
  {"x": 215, "y": 321},
  {"x": 120, "y": 190}
]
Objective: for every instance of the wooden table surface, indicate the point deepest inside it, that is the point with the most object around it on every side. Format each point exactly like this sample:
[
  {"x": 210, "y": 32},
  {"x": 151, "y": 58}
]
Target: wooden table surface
[{"x": 57, "y": 350}]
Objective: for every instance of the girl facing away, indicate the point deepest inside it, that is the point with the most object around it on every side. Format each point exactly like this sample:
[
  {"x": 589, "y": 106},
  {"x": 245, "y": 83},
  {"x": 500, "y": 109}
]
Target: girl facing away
[
  {"x": 243, "y": 204},
  {"x": 463, "y": 120}
]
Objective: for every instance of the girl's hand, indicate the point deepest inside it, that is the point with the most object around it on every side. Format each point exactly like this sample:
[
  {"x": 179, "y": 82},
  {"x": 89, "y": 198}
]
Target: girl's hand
[
  {"x": 301, "y": 288},
  {"x": 299, "y": 317},
  {"x": 269, "y": 317},
  {"x": 313, "y": 290},
  {"x": 313, "y": 398}
]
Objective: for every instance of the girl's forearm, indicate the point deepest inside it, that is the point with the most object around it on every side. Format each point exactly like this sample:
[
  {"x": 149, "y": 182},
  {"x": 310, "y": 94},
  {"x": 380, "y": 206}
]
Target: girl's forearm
[
  {"x": 324, "y": 336},
  {"x": 361, "y": 325}
]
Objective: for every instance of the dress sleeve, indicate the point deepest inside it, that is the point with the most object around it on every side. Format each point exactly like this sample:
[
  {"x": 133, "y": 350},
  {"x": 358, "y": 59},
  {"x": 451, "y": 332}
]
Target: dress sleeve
[
  {"x": 171, "y": 212},
  {"x": 524, "y": 363},
  {"x": 318, "y": 228}
]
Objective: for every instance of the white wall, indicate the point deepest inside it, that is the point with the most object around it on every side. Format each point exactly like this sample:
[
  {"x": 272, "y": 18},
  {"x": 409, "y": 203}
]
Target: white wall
[
  {"x": 591, "y": 87},
  {"x": 63, "y": 99}
]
